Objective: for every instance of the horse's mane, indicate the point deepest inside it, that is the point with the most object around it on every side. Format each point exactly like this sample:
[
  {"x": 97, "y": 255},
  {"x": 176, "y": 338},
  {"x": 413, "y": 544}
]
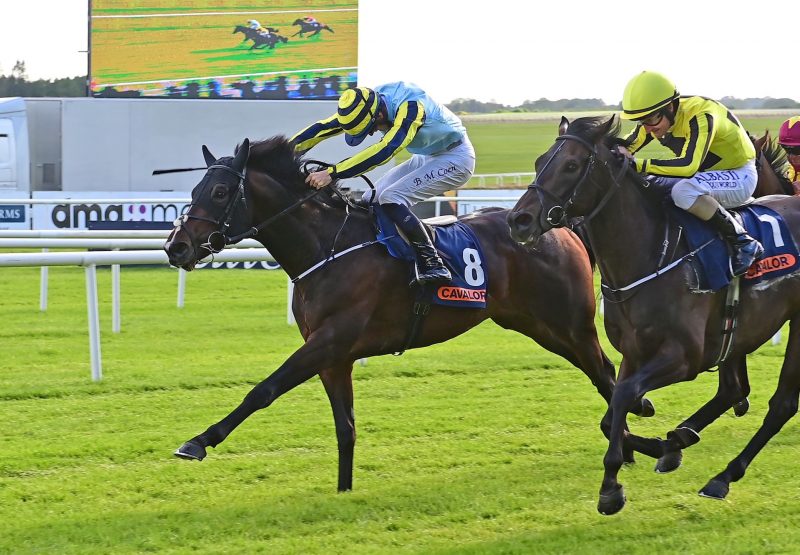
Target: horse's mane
[
  {"x": 591, "y": 128},
  {"x": 277, "y": 157},
  {"x": 776, "y": 156}
]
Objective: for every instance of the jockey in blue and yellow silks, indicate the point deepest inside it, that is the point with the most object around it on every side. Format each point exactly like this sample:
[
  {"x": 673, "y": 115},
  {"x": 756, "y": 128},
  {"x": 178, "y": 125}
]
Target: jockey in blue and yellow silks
[
  {"x": 713, "y": 167},
  {"x": 442, "y": 156}
]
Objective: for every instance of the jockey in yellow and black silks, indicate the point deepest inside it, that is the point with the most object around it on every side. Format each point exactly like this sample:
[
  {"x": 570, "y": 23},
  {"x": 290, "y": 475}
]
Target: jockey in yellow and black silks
[
  {"x": 713, "y": 167},
  {"x": 442, "y": 157}
]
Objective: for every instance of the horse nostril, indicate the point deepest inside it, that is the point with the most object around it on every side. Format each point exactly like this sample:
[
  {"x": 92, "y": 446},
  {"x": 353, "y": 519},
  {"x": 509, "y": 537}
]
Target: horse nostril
[{"x": 175, "y": 249}]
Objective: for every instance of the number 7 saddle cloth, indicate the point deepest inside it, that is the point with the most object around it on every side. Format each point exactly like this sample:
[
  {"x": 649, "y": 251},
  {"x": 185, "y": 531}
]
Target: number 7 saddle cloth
[{"x": 764, "y": 224}]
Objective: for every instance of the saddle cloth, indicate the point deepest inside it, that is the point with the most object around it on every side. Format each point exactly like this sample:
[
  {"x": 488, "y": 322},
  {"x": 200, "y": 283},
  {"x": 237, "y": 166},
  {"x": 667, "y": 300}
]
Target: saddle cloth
[
  {"x": 780, "y": 252},
  {"x": 461, "y": 252}
]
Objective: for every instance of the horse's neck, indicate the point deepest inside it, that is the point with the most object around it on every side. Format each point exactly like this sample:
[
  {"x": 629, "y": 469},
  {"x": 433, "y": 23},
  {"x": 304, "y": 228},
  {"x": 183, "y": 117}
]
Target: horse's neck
[
  {"x": 306, "y": 236},
  {"x": 627, "y": 236}
]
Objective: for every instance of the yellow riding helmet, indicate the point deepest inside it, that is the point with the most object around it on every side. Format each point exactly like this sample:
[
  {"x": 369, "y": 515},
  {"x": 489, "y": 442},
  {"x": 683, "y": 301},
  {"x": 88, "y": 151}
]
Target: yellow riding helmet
[
  {"x": 357, "y": 111},
  {"x": 646, "y": 93}
]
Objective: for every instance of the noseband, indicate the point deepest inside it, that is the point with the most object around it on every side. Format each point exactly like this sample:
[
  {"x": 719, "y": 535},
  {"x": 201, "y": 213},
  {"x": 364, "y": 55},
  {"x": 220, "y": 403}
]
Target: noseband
[{"x": 556, "y": 215}]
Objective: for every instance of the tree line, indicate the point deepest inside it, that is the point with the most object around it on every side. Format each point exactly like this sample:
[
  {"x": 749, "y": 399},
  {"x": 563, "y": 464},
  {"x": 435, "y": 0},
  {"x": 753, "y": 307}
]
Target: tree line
[
  {"x": 471, "y": 106},
  {"x": 18, "y": 84}
]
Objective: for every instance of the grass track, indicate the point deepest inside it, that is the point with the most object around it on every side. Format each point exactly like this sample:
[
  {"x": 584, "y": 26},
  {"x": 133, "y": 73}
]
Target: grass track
[{"x": 485, "y": 444}]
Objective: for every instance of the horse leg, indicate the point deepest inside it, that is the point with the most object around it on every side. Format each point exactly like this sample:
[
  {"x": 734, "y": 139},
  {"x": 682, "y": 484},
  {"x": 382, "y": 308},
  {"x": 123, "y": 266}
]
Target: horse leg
[
  {"x": 338, "y": 384},
  {"x": 782, "y": 406},
  {"x": 659, "y": 372},
  {"x": 732, "y": 391},
  {"x": 582, "y": 349},
  {"x": 302, "y": 365}
]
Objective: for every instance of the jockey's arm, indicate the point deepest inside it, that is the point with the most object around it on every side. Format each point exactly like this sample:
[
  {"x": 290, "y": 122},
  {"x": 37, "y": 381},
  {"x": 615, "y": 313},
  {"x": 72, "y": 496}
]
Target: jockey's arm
[
  {"x": 410, "y": 117},
  {"x": 315, "y": 133},
  {"x": 695, "y": 147}
]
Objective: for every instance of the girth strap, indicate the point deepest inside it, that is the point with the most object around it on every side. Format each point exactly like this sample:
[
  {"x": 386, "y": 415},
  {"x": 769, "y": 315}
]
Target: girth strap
[
  {"x": 729, "y": 320},
  {"x": 421, "y": 308}
]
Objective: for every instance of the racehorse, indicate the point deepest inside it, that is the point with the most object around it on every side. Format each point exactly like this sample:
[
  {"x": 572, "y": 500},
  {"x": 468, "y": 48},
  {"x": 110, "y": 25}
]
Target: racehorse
[
  {"x": 665, "y": 332},
  {"x": 772, "y": 167},
  {"x": 313, "y": 28},
  {"x": 269, "y": 39},
  {"x": 360, "y": 304}
]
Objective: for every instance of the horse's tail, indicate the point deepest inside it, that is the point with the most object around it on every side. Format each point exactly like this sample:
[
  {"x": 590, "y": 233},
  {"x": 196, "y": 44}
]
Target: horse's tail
[{"x": 328, "y": 28}]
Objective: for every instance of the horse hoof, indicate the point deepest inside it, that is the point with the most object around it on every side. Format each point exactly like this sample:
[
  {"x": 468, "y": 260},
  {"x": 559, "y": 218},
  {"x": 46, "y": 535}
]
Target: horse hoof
[
  {"x": 741, "y": 408},
  {"x": 648, "y": 409},
  {"x": 669, "y": 462},
  {"x": 191, "y": 451},
  {"x": 715, "y": 489},
  {"x": 611, "y": 503}
]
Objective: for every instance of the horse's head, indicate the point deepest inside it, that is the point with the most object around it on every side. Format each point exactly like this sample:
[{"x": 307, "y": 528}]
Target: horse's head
[
  {"x": 565, "y": 186},
  {"x": 217, "y": 211}
]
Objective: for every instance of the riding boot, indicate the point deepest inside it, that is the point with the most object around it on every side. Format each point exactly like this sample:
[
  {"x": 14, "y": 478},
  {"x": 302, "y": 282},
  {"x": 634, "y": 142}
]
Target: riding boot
[
  {"x": 429, "y": 267},
  {"x": 745, "y": 249}
]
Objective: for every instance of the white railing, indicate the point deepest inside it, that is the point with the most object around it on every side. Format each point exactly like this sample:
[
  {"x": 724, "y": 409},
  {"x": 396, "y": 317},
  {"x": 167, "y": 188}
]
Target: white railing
[{"x": 90, "y": 260}]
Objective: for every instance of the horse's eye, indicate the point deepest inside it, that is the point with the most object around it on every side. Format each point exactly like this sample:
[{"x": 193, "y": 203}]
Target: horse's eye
[
  {"x": 220, "y": 192},
  {"x": 572, "y": 166}
]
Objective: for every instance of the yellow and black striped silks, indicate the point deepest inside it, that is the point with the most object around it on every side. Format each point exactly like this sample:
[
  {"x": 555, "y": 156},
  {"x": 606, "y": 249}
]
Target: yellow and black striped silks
[
  {"x": 705, "y": 136},
  {"x": 410, "y": 117}
]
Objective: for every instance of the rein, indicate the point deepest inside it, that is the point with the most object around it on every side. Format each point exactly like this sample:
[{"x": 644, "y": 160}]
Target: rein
[{"x": 557, "y": 214}]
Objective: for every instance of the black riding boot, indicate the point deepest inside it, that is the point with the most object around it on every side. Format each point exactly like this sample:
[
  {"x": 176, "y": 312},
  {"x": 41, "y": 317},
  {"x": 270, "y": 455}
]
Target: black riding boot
[
  {"x": 429, "y": 267},
  {"x": 746, "y": 250}
]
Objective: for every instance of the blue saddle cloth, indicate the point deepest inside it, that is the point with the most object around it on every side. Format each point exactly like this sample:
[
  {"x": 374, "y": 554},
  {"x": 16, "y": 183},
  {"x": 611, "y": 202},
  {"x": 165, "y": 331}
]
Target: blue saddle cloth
[
  {"x": 780, "y": 252},
  {"x": 460, "y": 251}
]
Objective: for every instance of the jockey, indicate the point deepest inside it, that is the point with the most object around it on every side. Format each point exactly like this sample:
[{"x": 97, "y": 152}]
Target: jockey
[
  {"x": 714, "y": 164},
  {"x": 442, "y": 156},
  {"x": 789, "y": 139},
  {"x": 253, "y": 24}
]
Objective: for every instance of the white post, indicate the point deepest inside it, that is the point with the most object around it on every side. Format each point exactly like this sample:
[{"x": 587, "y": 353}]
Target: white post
[
  {"x": 181, "y": 286},
  {"x": 289, "y": 294},
  {"x": 43, "y": 287},
  {"x": 115, "y": 300},
  {"x": 438, "y": 209},
  {"x": 94, "y": 322}
]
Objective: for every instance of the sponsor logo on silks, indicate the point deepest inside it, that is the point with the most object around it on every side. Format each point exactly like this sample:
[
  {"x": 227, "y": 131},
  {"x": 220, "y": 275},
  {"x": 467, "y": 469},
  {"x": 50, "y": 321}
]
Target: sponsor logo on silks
[
  {"x": 449, "y": 293},
  {"x": 770, "y": 264}
]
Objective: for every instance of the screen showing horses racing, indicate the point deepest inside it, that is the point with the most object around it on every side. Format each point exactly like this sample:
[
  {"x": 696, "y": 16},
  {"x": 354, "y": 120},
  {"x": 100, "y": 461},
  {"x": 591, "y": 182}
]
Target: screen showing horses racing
[{"x": 277, "y": 49}]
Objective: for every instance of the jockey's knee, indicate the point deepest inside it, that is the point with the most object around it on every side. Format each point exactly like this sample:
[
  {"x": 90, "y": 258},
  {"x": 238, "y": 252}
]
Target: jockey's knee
[{"x": 685, "y": 194}]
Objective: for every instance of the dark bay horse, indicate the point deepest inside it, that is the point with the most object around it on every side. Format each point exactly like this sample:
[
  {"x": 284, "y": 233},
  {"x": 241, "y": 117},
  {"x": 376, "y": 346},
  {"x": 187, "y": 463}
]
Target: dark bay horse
[
  {"x": 269, "y": 39},
  {"x": 665, "y": 332},
  {"x": 313, "y": 28},
  {"x": 360, "y": 304}
]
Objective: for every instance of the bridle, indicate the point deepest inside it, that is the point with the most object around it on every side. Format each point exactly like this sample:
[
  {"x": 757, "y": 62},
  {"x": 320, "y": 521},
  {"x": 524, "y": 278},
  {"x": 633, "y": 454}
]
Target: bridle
[
  {"x": 556, "y": 215},
  {"x": 218, "y": 239}
]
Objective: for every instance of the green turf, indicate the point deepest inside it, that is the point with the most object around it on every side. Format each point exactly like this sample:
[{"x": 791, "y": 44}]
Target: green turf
[{"x": 485, "y": 444}]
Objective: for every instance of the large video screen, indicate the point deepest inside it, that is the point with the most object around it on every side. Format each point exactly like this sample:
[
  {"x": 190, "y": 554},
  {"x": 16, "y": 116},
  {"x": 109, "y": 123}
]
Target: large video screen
[{"x": 276, "y": 49}]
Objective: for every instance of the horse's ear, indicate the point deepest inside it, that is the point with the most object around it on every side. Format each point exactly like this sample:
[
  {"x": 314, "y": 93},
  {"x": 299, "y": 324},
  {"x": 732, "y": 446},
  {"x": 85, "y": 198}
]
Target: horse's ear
[
  {"x": 210, "y": 158},
  {"x": 242, "y": 154},
  {"x": 562, "y": 126}
]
